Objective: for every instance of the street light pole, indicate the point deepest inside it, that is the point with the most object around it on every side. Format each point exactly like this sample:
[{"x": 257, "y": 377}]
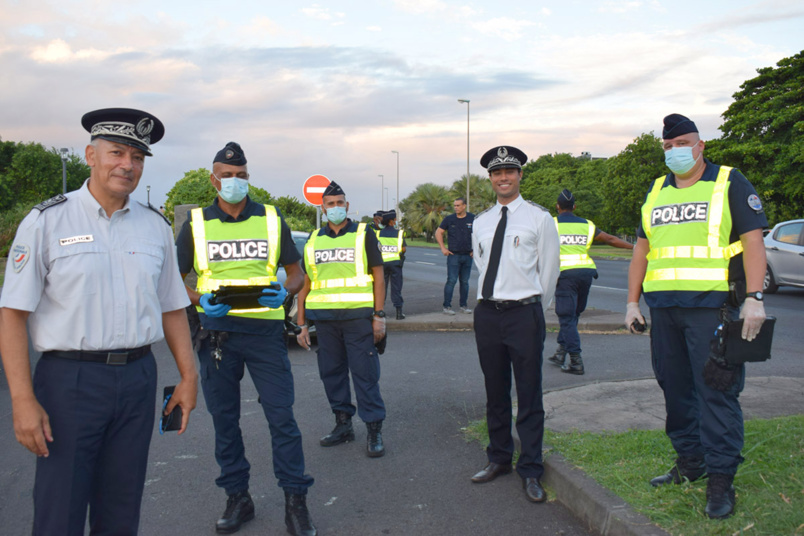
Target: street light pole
[
  {"x": 382, "y": 190},
  {"x": 467, "y": 151},
  {"x": 386, "y": 195},
  {"x": 397, "y": 184},
  {"x": 64, "y": 151}
]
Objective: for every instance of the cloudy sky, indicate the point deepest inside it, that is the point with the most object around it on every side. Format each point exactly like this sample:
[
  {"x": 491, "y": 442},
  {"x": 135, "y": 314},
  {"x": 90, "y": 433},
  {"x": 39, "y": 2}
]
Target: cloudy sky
[{"x": 334, "y": 87}]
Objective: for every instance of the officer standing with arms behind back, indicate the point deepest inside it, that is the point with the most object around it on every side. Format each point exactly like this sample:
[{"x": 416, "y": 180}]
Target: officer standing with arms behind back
[
  {"x": 393, "y": 246},
  {"x": 343, "y": 293},
  {"x": 237, "y": 242},
  {"x": 516, "y": 250},
  {"x": 458, "y": 227},
  {"x": 695, "y": 223},
  {"x": 577, "y": 271},
  {"x": 94, "y": 275}
]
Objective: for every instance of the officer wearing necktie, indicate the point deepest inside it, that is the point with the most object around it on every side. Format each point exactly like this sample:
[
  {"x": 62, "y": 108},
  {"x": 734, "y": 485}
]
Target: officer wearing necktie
[{"x": 516, "y": 250}]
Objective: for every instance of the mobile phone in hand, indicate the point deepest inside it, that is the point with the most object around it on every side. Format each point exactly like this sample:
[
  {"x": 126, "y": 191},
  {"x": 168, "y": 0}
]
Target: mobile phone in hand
[{"x": 171, "y": 421}]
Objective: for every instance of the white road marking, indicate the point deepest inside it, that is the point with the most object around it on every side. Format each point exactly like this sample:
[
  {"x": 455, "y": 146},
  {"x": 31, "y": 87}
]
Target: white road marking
[
  {"x": 331, "y": 501},
  {"x": 611, "y": 288},
  {"x": 427, "y": 263}
]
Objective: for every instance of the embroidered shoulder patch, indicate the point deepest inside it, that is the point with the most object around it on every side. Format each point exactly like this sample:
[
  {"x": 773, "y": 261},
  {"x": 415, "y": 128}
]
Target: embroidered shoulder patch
[
  {"x": 754, "y": 203},
  {"x": 52, "y": 202},
  {"x": 20, "y": 254}
]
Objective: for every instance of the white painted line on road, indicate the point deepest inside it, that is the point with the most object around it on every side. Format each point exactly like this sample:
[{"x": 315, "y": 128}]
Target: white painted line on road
[
  {"x": 610, "y": 288},
  {"x": 428, "y": 263},
  {"x": 430, "y": 255}
]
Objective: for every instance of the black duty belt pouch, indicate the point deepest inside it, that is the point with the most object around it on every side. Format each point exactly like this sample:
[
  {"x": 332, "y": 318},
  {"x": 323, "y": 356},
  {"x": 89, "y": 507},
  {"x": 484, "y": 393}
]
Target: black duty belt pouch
[
  {"x": 739, "y": 350},
  {"x": 241, "y": 297}
]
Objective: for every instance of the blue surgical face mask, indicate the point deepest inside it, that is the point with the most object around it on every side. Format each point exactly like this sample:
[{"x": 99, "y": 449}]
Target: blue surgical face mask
[
  {"x": 680, "y": 160},
  {"x": 336, "y": 215},
  {"x": 233, "y": 189}
]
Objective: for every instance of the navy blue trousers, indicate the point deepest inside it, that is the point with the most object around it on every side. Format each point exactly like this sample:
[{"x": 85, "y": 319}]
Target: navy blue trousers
[
  {"x": 513, "y": 338},
  {"x": 393, "y": 280},
  {"x": 571, "y": 296},
  {"x": 102, "y": 417},
  {"x": 701, "y": 422},
  {"x": 346, "y": 346},
  {"x": 267, "y": 359},
  {"x": 459, "y": 267}
]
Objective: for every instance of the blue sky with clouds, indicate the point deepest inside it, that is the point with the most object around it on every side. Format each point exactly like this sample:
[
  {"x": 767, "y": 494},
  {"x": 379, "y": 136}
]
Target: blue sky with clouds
[{"x": 333, "y": 87}]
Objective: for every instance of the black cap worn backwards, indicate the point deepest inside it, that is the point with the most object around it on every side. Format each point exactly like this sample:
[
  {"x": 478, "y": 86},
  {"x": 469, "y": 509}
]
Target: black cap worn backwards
[
  {"x": 675, "y": 125},
  {"x": 134, "y": 128},
  {"x": 231, "y": 154},
  {"x": 388, "y": 216},
  {"x": 333, "y": 189},
  {"x": 566, "y": 200},
  {"x": 503, "y": 157}
]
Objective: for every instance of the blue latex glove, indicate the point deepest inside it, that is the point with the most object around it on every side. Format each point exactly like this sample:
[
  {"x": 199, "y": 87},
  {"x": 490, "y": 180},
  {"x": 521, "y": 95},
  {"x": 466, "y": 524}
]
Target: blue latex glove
[
  {"x": 273, "y": 298},
  {"x": 213, "y": 311}
]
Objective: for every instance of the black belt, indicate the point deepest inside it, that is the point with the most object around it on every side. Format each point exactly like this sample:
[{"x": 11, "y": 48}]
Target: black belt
[
  {"x": 502, "y": 305},
  {"x": 110, "y": 357}
]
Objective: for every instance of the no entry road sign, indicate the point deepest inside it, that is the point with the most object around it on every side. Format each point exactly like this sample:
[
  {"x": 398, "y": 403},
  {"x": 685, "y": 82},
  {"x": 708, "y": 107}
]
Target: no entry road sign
[{"x": 314, "y": 188}]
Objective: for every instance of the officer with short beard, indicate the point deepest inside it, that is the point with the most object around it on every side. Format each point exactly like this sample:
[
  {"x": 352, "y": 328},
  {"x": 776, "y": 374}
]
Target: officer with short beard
[
  {"x": 343, "y": 294},
  {"x": 241, "y": 243}
]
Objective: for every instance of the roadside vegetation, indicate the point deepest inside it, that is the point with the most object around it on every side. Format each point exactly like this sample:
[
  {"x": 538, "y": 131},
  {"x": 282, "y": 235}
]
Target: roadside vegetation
[{"x": 769, "y": 484}]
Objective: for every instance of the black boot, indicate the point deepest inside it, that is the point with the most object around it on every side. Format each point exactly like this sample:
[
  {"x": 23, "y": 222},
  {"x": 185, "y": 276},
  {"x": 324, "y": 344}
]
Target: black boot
[
  {"x": 720, "y": 497},
  {"x": 342, "y": 432},
  {"x": 575, "y": 365},
  {"x": 559, "y": 356},
  {"x": 297, "y": 518},
  {"x": 374, "y": 446},
  {"x": 239, "y": 509},
  {"x": 399, "y": 314},
  {"x": 685, "y": 468}
]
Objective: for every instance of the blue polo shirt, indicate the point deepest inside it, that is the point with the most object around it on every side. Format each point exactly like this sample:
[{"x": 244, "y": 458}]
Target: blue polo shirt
[
  {"x": 459, "y": 233},
  {"x": 744, "y": 218}
]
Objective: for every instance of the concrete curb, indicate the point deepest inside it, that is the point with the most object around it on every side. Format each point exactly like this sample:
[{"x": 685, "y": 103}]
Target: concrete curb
[{"x": 590, "y": 322}]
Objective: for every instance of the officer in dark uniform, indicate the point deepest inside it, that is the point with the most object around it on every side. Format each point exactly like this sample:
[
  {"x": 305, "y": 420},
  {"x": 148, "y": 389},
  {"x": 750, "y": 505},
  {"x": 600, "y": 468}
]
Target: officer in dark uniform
[
  {"x": 376, "y": 222},
  {"x": 516, "y": 250},
  {"x": 243, "y": 244},
  {"x": 393, "y": 245},
  {"x": 700, "y": 233},
  {"x": 343, "y": 293},
  {"x": 92, "y": 277},
  {"x": 576, "y": 235}
]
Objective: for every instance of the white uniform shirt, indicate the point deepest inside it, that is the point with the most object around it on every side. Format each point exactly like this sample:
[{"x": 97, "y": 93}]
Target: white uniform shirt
[
  {"x": 529, "y": 263},
  {"x": 92, "y": 282}
]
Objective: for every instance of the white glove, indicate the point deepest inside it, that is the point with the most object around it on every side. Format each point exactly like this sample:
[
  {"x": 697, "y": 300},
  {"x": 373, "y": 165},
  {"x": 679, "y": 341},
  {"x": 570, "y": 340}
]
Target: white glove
[
  {"x": 753, "y": 314},
  {"x": 632, "y": 313}
]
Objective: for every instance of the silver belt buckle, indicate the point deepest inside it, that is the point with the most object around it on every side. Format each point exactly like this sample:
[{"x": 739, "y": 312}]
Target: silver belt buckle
[{"x": 117, "y": 358}]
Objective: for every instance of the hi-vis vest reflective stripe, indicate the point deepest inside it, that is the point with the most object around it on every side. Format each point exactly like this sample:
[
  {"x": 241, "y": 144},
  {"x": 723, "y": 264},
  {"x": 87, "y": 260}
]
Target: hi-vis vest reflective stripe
[
  {"x": 237, "y": 254},
  {"x": 340, "y": 278},
  {"x": 576, "y": 239},
  {"x": 391, "y": 246},
  {"x": 688, "y": 230}
]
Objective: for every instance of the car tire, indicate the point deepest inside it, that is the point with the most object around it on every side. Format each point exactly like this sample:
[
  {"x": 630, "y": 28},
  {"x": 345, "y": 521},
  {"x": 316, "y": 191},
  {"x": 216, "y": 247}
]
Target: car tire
[{"x": 770, "y": 282}]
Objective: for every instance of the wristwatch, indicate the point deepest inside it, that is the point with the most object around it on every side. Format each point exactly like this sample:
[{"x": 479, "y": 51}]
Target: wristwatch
[
  {"x": 379, "y": 314},
  {"x": 758, "y": 296}
]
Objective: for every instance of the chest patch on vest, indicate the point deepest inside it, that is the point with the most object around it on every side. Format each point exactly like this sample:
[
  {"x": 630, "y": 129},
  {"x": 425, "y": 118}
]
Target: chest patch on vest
[
  {"x": 388, "y": 249},
  {"x": 237, "y": 250},
  {"x": 323, "y": 256},
  {"x": 680, "y": 213},
  {"x": 574, "y": 240}
]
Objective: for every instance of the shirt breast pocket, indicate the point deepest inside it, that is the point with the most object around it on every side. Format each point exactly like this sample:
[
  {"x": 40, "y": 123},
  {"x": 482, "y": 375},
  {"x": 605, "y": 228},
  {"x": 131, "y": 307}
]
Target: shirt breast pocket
[
  {"x": 75, "y": 269},
  {"x": 147, "y": 255},
  {"x": 523, "y": 243}
]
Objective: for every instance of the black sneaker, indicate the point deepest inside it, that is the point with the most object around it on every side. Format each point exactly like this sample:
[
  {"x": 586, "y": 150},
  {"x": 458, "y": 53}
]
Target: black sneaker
[
  {"x": 720, "y": 496},
  {"x": 239, "y": 509}
]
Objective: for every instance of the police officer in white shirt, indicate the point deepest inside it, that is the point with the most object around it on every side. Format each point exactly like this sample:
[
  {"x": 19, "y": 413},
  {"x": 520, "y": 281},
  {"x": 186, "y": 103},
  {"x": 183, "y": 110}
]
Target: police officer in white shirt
[
  {"x": 516, "y": 250},
  {"x": 93, "y": 277}
]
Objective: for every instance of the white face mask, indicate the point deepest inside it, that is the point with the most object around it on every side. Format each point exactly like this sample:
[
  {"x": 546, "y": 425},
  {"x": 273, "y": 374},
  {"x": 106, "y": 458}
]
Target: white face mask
[{"x": 233, "y": 189}]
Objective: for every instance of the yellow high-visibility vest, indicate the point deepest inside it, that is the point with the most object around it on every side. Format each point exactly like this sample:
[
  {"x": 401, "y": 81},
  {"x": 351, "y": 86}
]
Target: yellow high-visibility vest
[
  {"x": 576, "y": 239},
  {"x": 391, "y": 246},
  {"x": 237, "y": 254},
  {"x": 688, "y": 230}
]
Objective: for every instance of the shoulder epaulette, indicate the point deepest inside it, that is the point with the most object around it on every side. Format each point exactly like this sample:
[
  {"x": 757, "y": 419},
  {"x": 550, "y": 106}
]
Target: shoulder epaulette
[
  {"x": 536, "y": 205},
  {"x": 156, "y": 210},
  {"x": 480, "y": 214},
  {"x": 52, "y": 202}
]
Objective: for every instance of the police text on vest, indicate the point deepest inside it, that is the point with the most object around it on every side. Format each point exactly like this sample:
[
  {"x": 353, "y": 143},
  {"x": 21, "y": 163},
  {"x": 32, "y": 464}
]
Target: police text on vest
[
  {"x": 237, "y": 250},
  {"x": 574, "y": 240},
  {"x": 680, "y": 213},
  {"x": 323, "y": 256}
]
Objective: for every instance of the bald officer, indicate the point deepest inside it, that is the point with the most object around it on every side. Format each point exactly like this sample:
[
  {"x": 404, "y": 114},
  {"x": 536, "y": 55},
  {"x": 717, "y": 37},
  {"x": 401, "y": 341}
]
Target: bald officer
[
  {"x": 516, "y": 250},
  {"x": 245, "y": 337},
  {"x": 94, "y": 275},
  {"x": 700, "y": 233}
]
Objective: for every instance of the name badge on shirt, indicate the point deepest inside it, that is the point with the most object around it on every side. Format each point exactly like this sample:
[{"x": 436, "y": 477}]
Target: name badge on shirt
[{"x": 76, "y": 240}]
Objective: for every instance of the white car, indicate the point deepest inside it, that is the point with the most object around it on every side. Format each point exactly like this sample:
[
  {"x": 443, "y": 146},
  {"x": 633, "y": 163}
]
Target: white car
[{"x": 784, "y": 248}]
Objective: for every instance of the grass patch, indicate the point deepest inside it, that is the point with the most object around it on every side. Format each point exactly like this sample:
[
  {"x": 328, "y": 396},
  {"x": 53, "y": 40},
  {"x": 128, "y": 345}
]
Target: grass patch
[
  {"x": 769, "y": 484},
  {"x": 420, "y": 243},
  {"x": 609, "y": 252}
]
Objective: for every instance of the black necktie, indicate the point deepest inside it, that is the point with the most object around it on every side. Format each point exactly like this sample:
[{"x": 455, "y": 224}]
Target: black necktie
[{"x": 494, "y": 259}]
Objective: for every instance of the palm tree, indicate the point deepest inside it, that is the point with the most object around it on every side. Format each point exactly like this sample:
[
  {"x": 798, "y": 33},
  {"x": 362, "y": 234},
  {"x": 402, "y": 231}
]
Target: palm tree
[
  {"x": 424, "y": 209},
  {"x": 481, "y": 194}
]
